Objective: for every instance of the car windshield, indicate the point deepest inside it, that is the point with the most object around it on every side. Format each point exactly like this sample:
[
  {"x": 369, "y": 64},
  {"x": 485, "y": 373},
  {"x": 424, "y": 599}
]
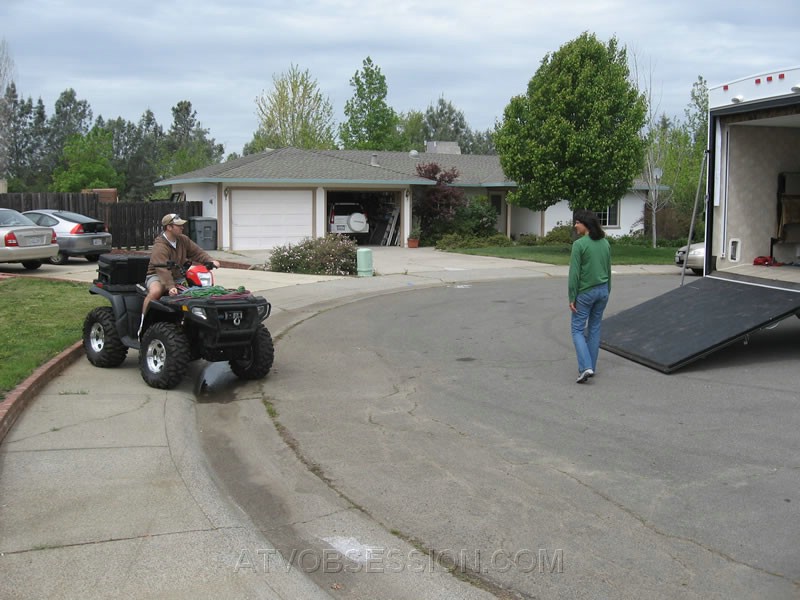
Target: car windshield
[{"x": 11, "y": 218}]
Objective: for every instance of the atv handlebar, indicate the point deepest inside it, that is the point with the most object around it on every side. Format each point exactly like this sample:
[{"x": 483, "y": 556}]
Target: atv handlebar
[{"x": 171, "y": 264}]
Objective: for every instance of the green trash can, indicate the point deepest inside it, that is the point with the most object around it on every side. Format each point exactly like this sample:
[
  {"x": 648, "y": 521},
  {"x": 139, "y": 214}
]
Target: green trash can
[{"x": 203, "y": 231}]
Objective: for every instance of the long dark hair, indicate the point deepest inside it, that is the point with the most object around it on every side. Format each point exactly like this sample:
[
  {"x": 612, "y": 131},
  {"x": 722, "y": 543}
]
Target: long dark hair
[{"x": 592, "y": 223}]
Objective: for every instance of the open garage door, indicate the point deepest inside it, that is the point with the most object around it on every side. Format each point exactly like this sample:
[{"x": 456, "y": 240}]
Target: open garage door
[
  {"x": 692, "y": 321},
  {"x": 268, "y": 218}
]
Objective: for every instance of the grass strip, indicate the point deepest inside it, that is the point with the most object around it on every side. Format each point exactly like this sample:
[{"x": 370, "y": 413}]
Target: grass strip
[{"x": 559, "y": 254}]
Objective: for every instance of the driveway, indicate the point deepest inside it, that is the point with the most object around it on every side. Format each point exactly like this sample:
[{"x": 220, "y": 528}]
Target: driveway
[{"x": 450, "y": 416}]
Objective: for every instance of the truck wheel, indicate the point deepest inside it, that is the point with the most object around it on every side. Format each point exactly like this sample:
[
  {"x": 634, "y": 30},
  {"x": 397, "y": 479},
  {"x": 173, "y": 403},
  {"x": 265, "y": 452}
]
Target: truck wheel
[
  {"x": 163, "y": 355},
  {"x": 102, "y": 343},
  {"x": 258, "y": 361},
  {"x": 59, "y": 259}
]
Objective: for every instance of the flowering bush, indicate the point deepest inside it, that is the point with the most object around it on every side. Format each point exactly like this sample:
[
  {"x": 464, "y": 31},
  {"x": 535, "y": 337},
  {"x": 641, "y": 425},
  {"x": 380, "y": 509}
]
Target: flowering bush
[{"x": 332, "y": 255}]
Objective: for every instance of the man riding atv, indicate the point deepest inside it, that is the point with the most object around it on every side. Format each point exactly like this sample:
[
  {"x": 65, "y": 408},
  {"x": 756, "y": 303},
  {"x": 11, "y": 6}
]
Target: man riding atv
[{"x": 171, "y": 246}]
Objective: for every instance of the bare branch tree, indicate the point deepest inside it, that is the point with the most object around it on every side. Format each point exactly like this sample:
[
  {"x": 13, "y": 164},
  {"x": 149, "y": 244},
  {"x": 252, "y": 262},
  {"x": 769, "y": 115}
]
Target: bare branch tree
[{"x": 6, "y": 77}]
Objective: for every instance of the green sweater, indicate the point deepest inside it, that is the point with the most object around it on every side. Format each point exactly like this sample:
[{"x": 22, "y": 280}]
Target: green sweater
[{"x": 589, "y": 265}]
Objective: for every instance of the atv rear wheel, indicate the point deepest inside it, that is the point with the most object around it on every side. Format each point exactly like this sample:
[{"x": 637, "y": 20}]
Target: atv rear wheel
[
  {"x": 258, "y": 361},
  {"x": 163, "y": 355},
  {"x": 101, "y": 341}
]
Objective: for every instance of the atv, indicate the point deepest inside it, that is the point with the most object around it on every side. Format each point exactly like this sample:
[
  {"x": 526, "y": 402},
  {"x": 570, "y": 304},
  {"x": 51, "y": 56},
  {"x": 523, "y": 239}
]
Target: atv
[{"x": 202, "y": 321}]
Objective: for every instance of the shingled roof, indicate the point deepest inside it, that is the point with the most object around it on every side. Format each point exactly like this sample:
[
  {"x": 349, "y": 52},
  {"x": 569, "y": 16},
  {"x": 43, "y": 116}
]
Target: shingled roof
[{"x": 320, "y": 167}]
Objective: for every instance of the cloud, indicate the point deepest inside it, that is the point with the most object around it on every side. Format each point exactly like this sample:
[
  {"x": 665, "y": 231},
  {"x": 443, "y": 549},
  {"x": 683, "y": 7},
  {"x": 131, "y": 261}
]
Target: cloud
[{"x": 126, "y": 57}]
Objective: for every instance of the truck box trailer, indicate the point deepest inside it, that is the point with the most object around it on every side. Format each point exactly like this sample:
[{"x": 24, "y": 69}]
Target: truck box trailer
[{"x": 752, "y": 232}]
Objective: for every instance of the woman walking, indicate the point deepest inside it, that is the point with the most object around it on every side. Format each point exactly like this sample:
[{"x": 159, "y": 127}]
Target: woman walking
[{"x": 589, "y": 287}]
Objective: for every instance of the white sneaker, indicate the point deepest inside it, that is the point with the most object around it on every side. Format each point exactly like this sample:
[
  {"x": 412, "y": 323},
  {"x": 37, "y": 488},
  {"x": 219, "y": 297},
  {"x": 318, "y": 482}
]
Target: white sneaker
[{"x": 583, "y": 377}]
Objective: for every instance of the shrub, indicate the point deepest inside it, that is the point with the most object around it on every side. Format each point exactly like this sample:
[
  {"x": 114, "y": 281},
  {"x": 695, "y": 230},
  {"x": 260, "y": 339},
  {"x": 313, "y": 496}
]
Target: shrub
[
  {"x": 560, "y": 234},
  {"x": 478, "y": 218},
  {"x": 331, "y": 255},
  {"x": 452, "y": 241},
  {"x": 528, "y": 239}
]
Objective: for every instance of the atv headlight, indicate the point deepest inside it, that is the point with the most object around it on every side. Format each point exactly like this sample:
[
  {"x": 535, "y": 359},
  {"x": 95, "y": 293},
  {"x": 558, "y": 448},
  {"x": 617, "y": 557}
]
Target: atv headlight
[
  {"x": 199, "y": 312},
  {"x": 263, "y": 311}
]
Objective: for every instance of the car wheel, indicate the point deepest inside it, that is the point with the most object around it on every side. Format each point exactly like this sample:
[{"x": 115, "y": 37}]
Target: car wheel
[
  {"x": 357, "y": 222},
  {"x": 260, "y": 356},
  {"x": 92, "y": 257},
  {"x": 101, "y": 341},
  {"x": 31, "y": 265},
  {"x": 163, "y": 355},
  {"x": 697, "y": 271},
  {"x": 59, "y": 259}
]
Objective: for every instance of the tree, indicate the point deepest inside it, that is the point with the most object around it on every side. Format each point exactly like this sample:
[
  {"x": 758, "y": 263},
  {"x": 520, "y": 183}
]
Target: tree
[
  {"x": 445, "y": 123},
  {"x": 411, "y": 129},
  {"x": 436, "y": 206},
  {"x": 187, "y": 146},
  {"x": 575, "y": 134},
  {"x": 371, "y": 123},
  {"x": 136, "y": 151},
  {"x": 71, "y": 117},
  {"x": 294, "y": 113},
  {"x": 6, "y": 72},
  {"x": 87, "y": 163}
]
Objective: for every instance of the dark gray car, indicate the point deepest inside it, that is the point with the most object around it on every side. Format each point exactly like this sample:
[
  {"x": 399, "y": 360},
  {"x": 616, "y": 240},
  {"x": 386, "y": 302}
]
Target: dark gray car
[{"x": 78, "y": 235}]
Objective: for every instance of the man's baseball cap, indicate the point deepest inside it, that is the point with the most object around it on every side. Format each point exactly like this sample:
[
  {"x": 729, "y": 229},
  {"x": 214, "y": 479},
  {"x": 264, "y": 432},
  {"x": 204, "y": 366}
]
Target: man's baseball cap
[{"x": 172, "y": 219}]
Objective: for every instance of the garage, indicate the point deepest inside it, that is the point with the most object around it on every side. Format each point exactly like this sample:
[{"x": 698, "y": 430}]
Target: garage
[
  {"x": 269, "y": 218},
  {"x": 380, "y": 208}
]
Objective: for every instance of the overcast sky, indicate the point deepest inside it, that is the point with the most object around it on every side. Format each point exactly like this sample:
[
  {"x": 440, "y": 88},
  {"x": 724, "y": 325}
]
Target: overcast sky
[{"x": 126, "y": 57}]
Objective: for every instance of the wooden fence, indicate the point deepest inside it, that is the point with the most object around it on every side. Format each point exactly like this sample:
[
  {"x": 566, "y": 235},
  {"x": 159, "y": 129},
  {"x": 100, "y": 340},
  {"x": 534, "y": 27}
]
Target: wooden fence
[{"x": 133, "y": 225}]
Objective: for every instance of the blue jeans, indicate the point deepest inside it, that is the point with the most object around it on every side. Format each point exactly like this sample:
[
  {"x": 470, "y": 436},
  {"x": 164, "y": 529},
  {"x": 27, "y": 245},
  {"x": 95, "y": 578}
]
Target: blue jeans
[{"x": 586, "y": 325}]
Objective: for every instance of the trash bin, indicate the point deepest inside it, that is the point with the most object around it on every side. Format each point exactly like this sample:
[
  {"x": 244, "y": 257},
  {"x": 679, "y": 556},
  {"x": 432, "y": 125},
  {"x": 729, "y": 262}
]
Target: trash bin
[{"x": 203, "y": 231}]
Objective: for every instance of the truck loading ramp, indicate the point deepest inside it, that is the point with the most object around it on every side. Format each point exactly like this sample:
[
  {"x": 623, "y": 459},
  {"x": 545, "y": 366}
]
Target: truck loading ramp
[{"x": 692, "y": 321}]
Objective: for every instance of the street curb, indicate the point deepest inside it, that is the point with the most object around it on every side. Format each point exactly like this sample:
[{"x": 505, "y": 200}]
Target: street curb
[{"x": 18, "y": 398}]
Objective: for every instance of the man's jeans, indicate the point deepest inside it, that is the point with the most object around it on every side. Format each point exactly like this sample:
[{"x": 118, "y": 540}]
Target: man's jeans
[{"x": 586, "y": 325}]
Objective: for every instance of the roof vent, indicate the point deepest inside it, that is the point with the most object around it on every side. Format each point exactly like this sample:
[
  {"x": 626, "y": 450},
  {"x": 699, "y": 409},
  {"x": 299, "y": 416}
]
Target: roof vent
[
  {"x": 374, "y": 161},
  {"x": 414, "y": 154}
]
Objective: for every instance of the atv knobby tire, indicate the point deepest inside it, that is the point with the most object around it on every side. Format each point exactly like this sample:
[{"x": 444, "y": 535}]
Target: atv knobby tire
[
  {"x": 259, "y": 358},
  {"x": 101, "y": 341},
  {"x": 163, "y": 355}
]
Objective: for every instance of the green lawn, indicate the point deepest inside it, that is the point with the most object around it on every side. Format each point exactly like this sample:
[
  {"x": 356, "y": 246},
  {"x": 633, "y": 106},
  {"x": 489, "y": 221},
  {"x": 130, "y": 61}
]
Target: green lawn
[
  {"x": 38, "y": 319},
  {"x": 559, "y": 255}
]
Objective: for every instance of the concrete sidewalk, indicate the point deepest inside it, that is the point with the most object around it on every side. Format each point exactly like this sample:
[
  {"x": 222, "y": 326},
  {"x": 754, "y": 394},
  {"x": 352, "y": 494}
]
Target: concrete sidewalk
[{"x": 105, "y": 491}]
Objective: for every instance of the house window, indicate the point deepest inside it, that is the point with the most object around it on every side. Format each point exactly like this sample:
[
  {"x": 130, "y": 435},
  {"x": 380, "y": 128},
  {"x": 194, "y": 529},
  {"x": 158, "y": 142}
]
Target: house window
[
  {"x": 610, "y": 216},
  {"x": 497, "y": 202}
]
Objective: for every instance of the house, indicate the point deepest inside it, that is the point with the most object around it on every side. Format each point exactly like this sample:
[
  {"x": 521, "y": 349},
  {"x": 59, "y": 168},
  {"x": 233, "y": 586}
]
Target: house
[{"x": 284, "y": 196}]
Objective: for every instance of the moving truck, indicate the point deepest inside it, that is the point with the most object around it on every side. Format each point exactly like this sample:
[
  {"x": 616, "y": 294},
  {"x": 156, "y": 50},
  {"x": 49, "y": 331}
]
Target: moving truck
[{"x": 752, "y": 232}]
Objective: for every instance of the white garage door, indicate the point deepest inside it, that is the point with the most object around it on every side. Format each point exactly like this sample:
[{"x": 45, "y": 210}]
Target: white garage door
[{"x": 265, "y": 219}]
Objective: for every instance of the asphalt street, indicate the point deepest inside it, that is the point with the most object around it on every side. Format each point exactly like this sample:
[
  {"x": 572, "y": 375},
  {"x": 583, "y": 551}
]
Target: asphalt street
[{"x": 451, "y": 417}]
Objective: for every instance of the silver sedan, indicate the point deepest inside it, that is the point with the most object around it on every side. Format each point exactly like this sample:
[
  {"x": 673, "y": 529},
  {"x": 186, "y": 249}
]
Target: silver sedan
[
  {"x": 696, "y": 259},
  {"x": 22, "y": 241},
  {"x": 78, "y": 235}
]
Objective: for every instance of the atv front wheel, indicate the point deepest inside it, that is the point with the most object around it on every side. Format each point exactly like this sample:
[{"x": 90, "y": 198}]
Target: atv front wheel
[
  {"x": 258, "y": 361},
  {"x": 101, "y": 341},
  {"x": 163, "y": 355}
]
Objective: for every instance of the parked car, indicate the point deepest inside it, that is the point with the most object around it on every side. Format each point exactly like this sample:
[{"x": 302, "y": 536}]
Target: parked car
[
  {"x": 78, "y": 235},
  {"x": 24, "y": 241},
  {"x": 348, "y": 217},
  {"x": 696, "y": 259}
]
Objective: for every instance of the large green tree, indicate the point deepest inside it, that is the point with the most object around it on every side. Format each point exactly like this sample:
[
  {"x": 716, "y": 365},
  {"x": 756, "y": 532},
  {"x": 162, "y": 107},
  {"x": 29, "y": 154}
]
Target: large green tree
[
  {"x": 294, "y": 113},
  {"x": 371, "y": 123},
  {"x": 87, "y": 163},
  {"x": 575, "y": 134}
]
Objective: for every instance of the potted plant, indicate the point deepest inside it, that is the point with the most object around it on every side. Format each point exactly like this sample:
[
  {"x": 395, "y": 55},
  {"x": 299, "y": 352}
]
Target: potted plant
[{"x": 414, "y": 234}]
